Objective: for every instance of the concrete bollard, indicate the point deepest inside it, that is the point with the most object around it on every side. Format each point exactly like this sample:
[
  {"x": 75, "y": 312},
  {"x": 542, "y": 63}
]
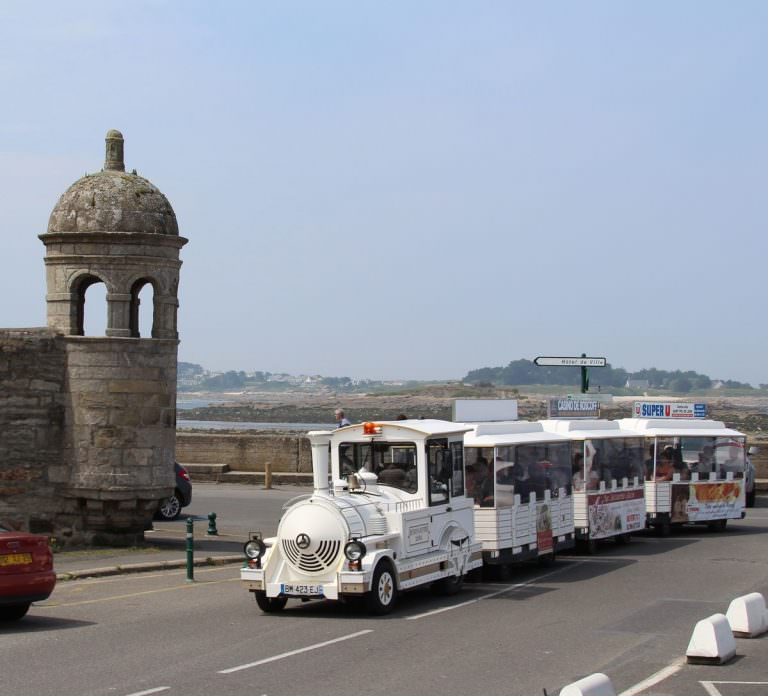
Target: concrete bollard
[
  {"x": 267, "y": 475},
  {"x": 747, "y": 616},
  {"x": 712, "y": 642},
  {"x": 594, "y": 685}
]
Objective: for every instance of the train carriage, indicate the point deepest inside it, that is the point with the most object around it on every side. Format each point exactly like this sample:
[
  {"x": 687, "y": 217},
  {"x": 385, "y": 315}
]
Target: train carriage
[
  {"x": 694, "y": 470},
  {"x": 519, "y": 477},
  {"x": 608, "y": 480}
]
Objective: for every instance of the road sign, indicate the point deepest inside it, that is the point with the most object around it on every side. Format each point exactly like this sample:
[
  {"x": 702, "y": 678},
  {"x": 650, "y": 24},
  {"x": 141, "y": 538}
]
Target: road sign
[{"x": 582, "y": 361}]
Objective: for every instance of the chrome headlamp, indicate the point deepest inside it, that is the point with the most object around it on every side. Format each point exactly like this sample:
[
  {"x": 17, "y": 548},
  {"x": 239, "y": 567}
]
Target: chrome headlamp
[
  {"x": 354, "y": 550},
  {"x": 254, "y": 549}
]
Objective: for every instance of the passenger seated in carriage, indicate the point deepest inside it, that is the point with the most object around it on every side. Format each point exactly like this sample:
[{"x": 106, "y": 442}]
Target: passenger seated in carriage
[{"x": 482, "y": 484}]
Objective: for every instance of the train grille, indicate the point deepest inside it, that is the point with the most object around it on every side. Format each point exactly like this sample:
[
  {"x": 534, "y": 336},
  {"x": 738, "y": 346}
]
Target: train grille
[{"x": 313, "y": 561}]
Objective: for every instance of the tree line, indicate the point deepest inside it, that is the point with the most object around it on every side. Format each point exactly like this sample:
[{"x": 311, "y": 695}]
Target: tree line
[{"x": 525, "y": 372}]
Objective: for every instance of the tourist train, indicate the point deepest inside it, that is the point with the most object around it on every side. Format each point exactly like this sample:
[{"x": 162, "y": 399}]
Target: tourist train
[{"x": 402, "y": 504}]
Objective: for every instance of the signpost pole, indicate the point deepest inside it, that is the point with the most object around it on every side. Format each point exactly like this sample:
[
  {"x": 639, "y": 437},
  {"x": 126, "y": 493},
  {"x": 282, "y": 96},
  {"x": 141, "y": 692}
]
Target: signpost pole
[{"x": 582, "y": 362}]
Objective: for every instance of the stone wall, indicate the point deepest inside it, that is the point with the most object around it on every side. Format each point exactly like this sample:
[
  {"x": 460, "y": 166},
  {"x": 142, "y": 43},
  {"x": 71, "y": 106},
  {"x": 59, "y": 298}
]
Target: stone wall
[
  {"x": 32, "y": 408},
  {"x": 87, "y": 433},
  {"x": 287, "y": 452}
]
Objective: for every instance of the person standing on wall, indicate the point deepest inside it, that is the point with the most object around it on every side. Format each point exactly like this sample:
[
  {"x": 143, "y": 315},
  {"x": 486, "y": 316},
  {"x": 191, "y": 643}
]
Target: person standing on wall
[{"x": 341, "y": 421}]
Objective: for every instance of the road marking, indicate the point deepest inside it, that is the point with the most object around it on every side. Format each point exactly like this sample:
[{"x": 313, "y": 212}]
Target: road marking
[
  {"x": 150, "y": 691},
  {"x": 185, "y": 586},
  {"x": 295, "y": 652},
  {"x": 712, "y": 690},
  {"x": 655, "y": 678},
  {"x": 508, "y": 588}
]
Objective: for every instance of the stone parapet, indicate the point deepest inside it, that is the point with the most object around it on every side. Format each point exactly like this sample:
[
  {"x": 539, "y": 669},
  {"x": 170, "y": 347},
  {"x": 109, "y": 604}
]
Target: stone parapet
[{"x": 247, "y": 452}]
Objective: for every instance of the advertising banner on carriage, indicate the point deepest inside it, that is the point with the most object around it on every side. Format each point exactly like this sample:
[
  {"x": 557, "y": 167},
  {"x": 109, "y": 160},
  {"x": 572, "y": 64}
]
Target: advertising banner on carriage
[
  {"x": 615, "y": 512},
  {"x": 668, "y": 409},
  {"x": 698, "y": 502},
  {"x": 544, "y": 541}
]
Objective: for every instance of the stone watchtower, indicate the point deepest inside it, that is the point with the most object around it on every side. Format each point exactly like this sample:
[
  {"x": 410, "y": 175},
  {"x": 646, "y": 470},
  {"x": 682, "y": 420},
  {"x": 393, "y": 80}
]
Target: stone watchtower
[{"x": 119, "y": 423}]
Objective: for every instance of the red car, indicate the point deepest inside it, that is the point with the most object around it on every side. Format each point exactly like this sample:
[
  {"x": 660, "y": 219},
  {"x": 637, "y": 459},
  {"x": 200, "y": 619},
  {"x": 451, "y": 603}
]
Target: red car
[{"x": 26, "y": 572}]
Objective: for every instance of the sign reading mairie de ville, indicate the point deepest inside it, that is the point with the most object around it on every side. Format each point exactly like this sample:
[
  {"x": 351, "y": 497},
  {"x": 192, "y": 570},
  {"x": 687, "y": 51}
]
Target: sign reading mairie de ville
[
  {"x": 664, "y": 409},
  {"x": 573, "y": 408}
]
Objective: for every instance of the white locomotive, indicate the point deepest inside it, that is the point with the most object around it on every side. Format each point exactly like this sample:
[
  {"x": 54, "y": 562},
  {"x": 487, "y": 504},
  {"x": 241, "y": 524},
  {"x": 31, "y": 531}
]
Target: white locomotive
[{"x": 394, "y": 515}]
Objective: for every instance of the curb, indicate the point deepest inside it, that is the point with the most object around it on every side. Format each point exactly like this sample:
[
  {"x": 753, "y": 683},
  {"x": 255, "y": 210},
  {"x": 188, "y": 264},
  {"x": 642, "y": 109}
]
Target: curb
[{"x": 145, "y": 567}]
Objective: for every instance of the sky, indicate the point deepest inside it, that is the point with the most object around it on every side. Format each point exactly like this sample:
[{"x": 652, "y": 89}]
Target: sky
[{"x": 414, "y": 189}]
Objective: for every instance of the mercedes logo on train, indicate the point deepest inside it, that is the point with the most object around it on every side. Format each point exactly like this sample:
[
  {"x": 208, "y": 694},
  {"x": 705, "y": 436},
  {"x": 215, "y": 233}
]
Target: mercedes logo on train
[{"x": 302, "y": 541}]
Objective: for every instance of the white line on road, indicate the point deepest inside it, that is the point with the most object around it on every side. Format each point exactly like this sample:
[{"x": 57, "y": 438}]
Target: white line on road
[
  {"x": 748, "y": 683},
  {"x": 150, "y": 691},
  {"x": 508, "y": 588},
  {"x": 655, "y": 678},
  {"x": 295, "y": 652},
  {"x": 710, "y": 689}
]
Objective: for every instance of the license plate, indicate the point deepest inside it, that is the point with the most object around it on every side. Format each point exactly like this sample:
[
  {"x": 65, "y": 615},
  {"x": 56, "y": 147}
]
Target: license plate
[
  {"x": 302, "y": 590},
  {"x": 15, "y": 559}
]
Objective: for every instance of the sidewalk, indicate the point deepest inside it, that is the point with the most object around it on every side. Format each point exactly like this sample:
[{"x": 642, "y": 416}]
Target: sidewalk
[{"x": 164, "y": 548}]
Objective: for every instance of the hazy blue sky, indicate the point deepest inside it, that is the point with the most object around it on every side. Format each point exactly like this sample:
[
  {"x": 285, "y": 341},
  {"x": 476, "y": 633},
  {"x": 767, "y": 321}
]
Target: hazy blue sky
[{"x": 414, "y": 189}]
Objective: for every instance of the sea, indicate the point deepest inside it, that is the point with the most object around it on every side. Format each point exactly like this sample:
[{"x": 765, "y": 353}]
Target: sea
[{"x": 184, "y": 404}]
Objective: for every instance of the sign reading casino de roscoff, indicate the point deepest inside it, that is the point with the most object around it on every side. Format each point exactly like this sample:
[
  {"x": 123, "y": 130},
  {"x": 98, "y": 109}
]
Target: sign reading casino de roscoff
[{"x": 573, "y": 408}]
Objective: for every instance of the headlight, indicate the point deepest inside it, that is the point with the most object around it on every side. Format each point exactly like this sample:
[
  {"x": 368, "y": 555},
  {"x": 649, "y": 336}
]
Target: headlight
[
  {"x": 354, "y": 550},
  {"x": 255, "y": 548}
]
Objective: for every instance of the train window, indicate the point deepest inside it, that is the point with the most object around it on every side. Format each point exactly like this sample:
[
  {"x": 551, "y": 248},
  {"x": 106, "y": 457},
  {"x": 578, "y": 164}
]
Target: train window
[
  {"x": 479, "y": 479},
  {"x": 438, "y": 470},
  {"x": 394, "y": 464},
  {"x": 613, "y": 459},
  {"x": 457, "y": 476},
  {"x": 558, "y": 458},
  {"x": 729, "y": 456}
]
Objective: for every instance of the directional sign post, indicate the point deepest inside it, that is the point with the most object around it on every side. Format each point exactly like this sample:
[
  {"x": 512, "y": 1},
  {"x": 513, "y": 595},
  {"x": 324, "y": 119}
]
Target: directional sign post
[{"x": 582, "y": 361}]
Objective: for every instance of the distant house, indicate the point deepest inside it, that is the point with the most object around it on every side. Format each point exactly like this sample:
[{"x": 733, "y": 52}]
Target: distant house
[{"x": 637, "y": 384}]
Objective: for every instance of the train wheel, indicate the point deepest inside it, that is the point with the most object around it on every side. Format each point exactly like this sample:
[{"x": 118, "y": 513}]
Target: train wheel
[
  {"x": 383, "y": 595},
  {"x": 548, "y": 559},
  {"x": 269, "y": 605},
  {"x": 448, "y": 586}
]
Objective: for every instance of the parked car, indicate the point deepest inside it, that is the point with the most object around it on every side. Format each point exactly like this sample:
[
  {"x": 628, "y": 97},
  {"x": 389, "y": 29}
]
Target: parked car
[
  {"x": 170, "y": 508},
  {"x": 26, "y": 572},
  {"x": 749, "y": 478}
]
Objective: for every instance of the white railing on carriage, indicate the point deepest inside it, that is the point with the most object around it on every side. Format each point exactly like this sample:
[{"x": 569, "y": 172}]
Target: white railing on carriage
[{"x": 406, "y": 505}]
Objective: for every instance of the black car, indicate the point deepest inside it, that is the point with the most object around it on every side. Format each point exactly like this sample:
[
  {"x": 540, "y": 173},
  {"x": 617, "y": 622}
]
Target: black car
[{"x": 170, "y": 508}]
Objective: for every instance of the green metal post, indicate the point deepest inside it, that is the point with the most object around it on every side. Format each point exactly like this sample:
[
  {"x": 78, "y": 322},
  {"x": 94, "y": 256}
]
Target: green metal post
[
  {"x": 190, "y": 551},
  {"x": 584, "y": 377},
  {"x": 212, "y": 531}
]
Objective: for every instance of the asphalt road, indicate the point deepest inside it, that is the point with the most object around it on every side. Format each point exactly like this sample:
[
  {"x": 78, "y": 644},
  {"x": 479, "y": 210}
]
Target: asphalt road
[{"x": 628, "y": 612}]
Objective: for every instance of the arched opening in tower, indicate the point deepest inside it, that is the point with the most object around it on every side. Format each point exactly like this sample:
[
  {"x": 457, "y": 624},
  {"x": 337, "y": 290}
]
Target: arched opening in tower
[
  {"x": 143, "y": 309},
  {"x": 93, "y": 322}
]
